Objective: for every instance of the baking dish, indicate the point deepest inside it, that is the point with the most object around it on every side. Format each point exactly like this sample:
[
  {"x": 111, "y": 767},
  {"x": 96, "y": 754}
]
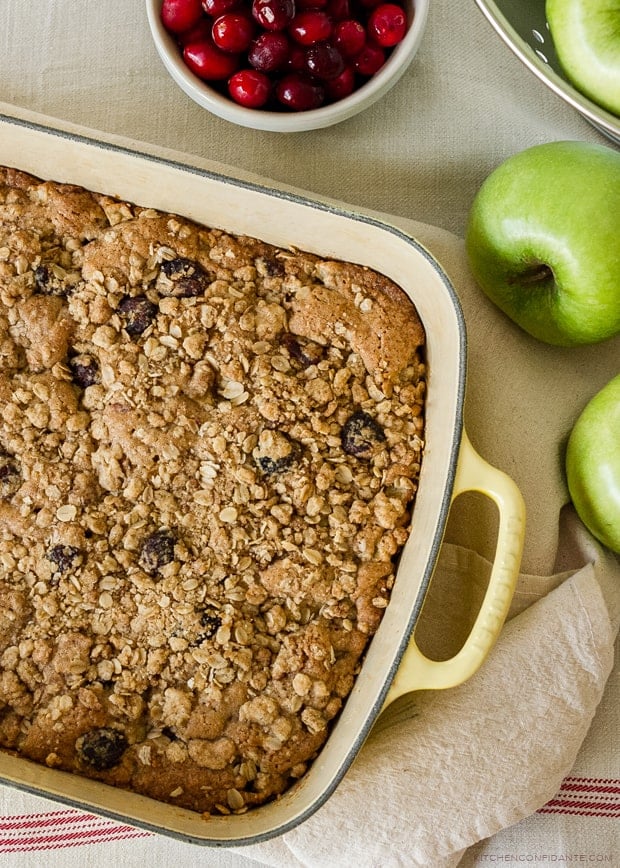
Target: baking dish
[{"x": 393, "y": 664}]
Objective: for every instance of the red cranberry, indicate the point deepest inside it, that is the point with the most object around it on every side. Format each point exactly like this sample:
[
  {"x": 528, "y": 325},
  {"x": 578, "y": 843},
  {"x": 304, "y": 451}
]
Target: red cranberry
[
  {"x": 370, "y": 59},
  {"x": 209, "y": 62},
  {"x": 310, "y": 27},
  {"x": 269, "y": 51},
  {"x": 297, "y": 57},
  {"x": 349, "y": 37},
  {"x": 301, "y": 53},
  {"x": 233, "y": 32},
  {"x": 215, "y": 8},
  {"x": 200, "y": 31},
  {"x": 273, "y": 14},
  {"x": 180, "y": 15},
  {"x": 343, "y": 85},
  {"x": 299, "y": 93},
  {"x": 387, "y": 24},
  {"x": 338, "y": 10},
  {"x": 324, "y": 61},
  {"x": 250, "y": 88}
]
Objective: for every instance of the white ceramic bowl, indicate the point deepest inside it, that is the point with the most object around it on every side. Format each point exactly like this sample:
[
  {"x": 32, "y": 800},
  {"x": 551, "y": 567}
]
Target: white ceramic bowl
[
  {"x": 522, "y": 25},
  {"x": 289, "y": 122}
]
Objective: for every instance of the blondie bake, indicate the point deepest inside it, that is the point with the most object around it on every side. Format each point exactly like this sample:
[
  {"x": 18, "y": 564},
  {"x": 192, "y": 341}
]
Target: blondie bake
[{"x": 209, "y": 455}]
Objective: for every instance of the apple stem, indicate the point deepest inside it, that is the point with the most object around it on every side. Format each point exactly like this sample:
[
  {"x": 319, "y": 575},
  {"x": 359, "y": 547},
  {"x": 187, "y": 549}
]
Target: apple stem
[{"x": 539, "y": 273}]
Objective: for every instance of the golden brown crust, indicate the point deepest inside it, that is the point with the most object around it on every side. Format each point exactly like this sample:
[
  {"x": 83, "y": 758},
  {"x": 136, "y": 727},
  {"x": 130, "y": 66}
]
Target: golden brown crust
[{"x": 209, "y": 452}]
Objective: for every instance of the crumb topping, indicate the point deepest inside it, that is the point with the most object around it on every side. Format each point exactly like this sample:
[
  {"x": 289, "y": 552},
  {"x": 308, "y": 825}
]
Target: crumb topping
[{"x": 209, "y": 454}]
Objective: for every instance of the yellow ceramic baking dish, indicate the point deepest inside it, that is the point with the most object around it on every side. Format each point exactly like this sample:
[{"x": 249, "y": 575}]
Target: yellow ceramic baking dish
[{"x": 393, "y": 665}]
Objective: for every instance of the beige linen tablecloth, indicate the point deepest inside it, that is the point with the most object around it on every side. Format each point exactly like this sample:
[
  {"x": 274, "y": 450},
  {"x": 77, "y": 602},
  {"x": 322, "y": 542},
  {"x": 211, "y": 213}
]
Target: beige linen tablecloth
[{"x": 419, "y": 155}]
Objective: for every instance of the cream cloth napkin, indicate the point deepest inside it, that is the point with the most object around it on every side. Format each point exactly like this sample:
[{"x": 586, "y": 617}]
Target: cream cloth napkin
[{"x": 442, "y": 771}]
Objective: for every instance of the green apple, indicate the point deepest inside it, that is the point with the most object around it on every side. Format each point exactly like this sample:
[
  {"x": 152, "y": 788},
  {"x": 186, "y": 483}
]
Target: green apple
[
  {"x": 586, "y": 37},
  {"x": 593, "y": 465},
  {"x": 543, "y": 241}
]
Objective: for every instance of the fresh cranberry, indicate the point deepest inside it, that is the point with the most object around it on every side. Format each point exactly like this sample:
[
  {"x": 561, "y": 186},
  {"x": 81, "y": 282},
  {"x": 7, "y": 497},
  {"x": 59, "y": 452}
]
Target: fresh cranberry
[
  {"x": 370, "y": 59},
  {"x": 297, "y": 58},
  {"x": 273, "y": 14},
  {"x": 310, "y": 27},
  {"x": 299, "y": 93},
  {"x": 201, "y": 30},
  {"x": 233, "y": 32},
  {"x": 338, "y": 10},
  {"x": 269, "y": 51},
  {"x": 324, "y": 61},
  {"x": 215, "y": 8},
  {"x": 250, "y": 88},
  {"x": 349, "y": 37},
  {"x": 180, "y": 15},
  {"x": 301, "y": 53},
  {"x": 209, "y": 62},
  {"x": 341, "y": 86},
  {"x": 387, "y": 24}
]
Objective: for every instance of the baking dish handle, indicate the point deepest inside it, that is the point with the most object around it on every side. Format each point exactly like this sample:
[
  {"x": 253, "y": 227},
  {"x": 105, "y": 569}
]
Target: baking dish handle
[{"x": 418, "y": 672}]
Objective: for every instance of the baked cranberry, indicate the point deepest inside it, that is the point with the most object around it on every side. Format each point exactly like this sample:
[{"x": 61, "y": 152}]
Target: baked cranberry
[
  {"x": 387, "y": 24},
  {"x": 271, "y": 266},
  {"x": 250, "y": 88},
  {"x": 310, "y": 4},
  {"x": 273, "y": 14},
  {"x": 311, "y": 26},
  {"x": 209, "y": 62},
  {"x": 299, "y": 92},
  {"x": 137, "y": 313},
  {"x": 180, "y": 15},
  {"x": 324, "y": 61},
  {"x": 341, "y": 86},
  {"x": 212, "y": 623},
  {"x": 270, "y": 51},
  {"x": 102, "y": 748},
  {"x": 182, "y": 278},
  {"x": 215, "y": 8},
  {"x": 274, "y": 452},
  {"x": 64, "y": 557},
  {"x": 10, "y": 475},
  {"x": 233, "y": 32},
  {"x": 157, "y": 551},
  {"x": 370, "y": 59},
  {"x": 47, "y": 282},
  {"x": 84, "y": 369},
  {"x": 349, "y": 37},
  {"x": 303, "y": 350},
  {"x": 361, "y": 435}
]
